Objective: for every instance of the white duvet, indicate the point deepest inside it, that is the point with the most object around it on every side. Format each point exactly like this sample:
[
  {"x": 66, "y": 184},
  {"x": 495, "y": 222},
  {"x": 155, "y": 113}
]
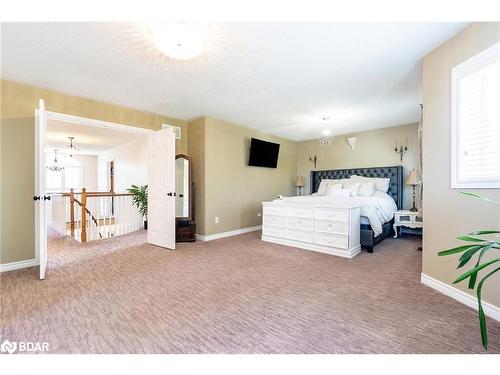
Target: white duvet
[{"x": 378, "y": 209}]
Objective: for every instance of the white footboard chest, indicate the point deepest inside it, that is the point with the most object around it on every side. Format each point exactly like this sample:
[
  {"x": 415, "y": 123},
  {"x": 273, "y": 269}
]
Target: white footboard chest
[{"x": 331, "y": 230}]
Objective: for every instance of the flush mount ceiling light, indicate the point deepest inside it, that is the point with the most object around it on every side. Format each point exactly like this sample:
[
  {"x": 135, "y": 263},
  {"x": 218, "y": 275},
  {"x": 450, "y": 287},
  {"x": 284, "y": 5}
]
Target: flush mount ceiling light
[
  {"x": 327, "y": 133},
  {"x": 181, "y": 41}
]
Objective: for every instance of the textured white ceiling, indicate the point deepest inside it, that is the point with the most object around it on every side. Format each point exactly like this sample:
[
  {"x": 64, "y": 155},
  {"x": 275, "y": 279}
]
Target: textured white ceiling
[
  {"x": 280, "y": 78},
  {"x": 90, "y": 140}
]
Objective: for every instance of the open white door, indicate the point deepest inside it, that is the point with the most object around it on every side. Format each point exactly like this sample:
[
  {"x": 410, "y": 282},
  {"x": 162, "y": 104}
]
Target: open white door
[
  {"x": 40, "y": 197},
  {"x": 161, "y": 188}
]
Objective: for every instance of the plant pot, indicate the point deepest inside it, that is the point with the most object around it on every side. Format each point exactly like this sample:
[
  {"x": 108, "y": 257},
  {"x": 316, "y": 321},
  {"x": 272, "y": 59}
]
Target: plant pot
[{"x": 145, "y": 224}]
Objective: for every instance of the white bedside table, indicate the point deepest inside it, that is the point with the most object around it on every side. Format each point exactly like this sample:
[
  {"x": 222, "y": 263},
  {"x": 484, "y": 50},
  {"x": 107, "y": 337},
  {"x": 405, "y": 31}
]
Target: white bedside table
[{"x": 405, "y": 218}]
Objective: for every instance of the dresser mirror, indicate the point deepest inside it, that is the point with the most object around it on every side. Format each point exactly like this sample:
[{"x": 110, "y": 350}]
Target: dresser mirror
[{"x": 184, "y": 199}]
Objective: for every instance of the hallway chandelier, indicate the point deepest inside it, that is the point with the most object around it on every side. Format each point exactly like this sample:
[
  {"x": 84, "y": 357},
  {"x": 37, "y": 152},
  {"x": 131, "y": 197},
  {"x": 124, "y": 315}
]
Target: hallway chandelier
[
  {"x": 55, "y": 167},
  {"x": 71, "y": 149},
  {"x": 327, "y": 133}
]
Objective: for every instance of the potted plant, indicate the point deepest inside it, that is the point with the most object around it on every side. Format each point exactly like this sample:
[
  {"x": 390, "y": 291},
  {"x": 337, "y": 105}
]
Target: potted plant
[
  {"x": 140, "y": 200},
  {"x": 477, "y": 244}
]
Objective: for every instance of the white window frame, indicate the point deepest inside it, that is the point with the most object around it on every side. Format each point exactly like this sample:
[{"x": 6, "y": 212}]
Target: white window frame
[
  {"x": 469, "y": 66},
  {"x": 62, "y": 186}
]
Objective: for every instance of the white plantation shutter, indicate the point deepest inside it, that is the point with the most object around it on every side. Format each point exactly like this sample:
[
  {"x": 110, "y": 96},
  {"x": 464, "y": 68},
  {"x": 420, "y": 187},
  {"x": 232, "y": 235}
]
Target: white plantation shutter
[{"x": 476, "y": 121}]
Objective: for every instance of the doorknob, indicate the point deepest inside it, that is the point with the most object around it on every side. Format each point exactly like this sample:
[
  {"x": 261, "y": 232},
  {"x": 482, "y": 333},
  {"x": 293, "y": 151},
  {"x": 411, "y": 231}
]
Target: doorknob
[
  {"x": 36, "y": 198},
  {"x": 46, "y": 198},
  {"x": 169, "y": 194}
]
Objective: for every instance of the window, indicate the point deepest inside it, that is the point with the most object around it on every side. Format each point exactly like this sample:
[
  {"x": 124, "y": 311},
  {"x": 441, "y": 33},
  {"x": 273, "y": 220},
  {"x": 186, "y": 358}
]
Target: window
[
  {"x": 69, "y": 178},
  {"x": 476, "y": 121}
]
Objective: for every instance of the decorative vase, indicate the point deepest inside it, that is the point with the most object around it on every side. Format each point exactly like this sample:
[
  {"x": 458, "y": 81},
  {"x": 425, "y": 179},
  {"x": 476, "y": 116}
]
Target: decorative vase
[{"x": 145, "y": 224}]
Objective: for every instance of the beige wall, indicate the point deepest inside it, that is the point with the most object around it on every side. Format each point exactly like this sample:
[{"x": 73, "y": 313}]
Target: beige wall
[
  {"x": 18, "y": 103},
  {"x": 89, "y": 171},
  {"x": 374, "y": 148},
  {"x": 447, "y": 214},
  {"x": 130, "y": 167},
  {"x": 196, "y": 147},
  {"x": 232, "y": 190}
]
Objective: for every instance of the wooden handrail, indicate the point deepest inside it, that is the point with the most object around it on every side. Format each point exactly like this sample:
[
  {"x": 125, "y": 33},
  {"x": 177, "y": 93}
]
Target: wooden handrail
[
  {"x": 90, "y": 213},
  {"x": 98, "y": 194},
  {"x": 85, "y": 195}
]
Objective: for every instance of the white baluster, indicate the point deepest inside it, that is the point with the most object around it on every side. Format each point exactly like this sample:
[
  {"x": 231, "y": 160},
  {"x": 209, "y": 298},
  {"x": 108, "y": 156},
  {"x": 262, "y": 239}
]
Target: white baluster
[{"x": 118, "y": 209}]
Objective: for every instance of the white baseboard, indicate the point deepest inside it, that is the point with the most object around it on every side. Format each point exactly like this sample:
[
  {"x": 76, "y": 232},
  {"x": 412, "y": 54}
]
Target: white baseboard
[
  {"x": 18, "y": 265},
  {"x": 489, "y": 310},
  {"x": 216, "y": 236}
]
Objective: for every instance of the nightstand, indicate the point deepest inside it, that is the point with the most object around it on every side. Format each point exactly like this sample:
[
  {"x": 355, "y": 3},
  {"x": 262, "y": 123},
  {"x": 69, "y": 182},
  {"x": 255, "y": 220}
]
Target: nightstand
[{"x": 404, "y": 218}]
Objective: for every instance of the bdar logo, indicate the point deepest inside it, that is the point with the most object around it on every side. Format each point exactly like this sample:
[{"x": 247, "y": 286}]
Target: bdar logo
[{"x": 8, "y": 347}]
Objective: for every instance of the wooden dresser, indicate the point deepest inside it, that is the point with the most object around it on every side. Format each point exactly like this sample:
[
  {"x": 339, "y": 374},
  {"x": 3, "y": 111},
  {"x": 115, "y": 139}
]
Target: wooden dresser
[
  {"x": 328, "y": 229},
  {"x": 185, "y": 231}
]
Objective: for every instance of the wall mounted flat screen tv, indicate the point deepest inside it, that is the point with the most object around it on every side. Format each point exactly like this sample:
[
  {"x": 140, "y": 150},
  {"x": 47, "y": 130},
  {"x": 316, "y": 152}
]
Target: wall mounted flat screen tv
[{"x": 263, "y": 154}]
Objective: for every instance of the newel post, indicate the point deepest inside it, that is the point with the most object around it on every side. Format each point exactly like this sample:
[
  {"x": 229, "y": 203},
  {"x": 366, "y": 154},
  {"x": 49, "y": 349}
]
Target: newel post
[
  {"x": 84, "y": 215},
  {"x": 72, "y": 212}
]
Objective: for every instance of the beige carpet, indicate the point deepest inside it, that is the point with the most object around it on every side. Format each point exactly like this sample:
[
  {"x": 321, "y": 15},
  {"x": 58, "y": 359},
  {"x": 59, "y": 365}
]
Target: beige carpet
[{"x": 234, "y": 295}]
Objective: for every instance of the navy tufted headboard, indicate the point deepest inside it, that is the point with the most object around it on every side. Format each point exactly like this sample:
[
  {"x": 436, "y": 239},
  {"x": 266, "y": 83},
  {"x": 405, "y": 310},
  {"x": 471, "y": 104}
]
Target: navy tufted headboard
[{"x": 394, "y": 173}]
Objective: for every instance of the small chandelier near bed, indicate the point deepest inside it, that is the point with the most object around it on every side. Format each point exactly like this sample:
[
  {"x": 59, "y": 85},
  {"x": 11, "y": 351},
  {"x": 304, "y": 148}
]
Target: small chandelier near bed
[
  {"x": 55, "y": 167},
  {"x": 327, "y": 133}
]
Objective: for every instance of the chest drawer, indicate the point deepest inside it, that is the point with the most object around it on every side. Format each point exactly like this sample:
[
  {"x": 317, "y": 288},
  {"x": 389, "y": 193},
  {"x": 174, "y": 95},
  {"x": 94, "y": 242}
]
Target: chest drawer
[
  {"x": 273, "y": 231},
  {"x": 331, "y": 214},
  {"x": 341, "y": 242},
  {"x": 307, "y": 213},
  {"x": 324, "y": 226},
  {"x": 404, "y": 218},
  {"x": 299, "y": 235},
  {"x": 279, "y": 221},
  {"x": 274, "y": 210},
  {"x": 300, "y": 223}
]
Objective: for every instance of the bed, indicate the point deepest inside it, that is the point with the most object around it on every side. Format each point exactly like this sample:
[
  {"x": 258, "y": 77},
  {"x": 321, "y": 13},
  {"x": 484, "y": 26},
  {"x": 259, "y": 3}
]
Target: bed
[{"x": 368, "y": 238}]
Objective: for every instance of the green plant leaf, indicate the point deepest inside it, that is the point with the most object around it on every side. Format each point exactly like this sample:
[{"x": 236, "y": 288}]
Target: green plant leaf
[
  {"x": 480, "y": 197},
  {"x": 464, "y": 259},
  {"x": 475, "y": 270},
  {"x": 473, "y": 278},
  {"x": 481, "y": 232},
  {"x": 482, "y": 317},
  {"x": 470, "y": 239},
  {"x": 455, "y": 250},
  {"x": 140, "y": 198}
]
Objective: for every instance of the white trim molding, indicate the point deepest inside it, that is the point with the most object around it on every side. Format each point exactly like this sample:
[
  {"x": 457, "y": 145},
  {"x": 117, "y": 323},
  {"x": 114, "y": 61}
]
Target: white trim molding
[
  {"x": 18, "y": 265},
  {"x": 490, "y": 310},
  {"x": 231, "y": 233},
  {"x": 129, "y": 128}
]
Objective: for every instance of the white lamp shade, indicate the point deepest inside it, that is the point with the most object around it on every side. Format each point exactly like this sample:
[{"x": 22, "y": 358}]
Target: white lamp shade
[
  {"x": 299, "y": 181},
  {"x": 412, "y": 178}
]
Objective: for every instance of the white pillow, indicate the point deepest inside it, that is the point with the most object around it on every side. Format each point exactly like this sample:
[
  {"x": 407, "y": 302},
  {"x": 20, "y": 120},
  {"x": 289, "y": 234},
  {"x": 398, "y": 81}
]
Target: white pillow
[
  {"x": 381, "y": 183},
  {"x": 327, "y": 181},
  {"x": 330, "y": 187},
  {"x": 322, "y": 186},
  {"x": 366, "y": 189},
  {"x": 353, "y": 186},
  {"x": 339, "y": 193}
]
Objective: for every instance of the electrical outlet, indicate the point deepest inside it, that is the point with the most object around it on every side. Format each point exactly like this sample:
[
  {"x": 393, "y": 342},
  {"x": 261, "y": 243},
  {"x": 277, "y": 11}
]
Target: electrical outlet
[
  {"x": 216, "y": 220},
  {"x": 259, "y": 214}
]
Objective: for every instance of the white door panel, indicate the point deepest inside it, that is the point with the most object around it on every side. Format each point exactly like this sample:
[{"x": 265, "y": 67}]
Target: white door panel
[
  {"x": 40, "y": 205},
  {"x": 161, "y": 188}
]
